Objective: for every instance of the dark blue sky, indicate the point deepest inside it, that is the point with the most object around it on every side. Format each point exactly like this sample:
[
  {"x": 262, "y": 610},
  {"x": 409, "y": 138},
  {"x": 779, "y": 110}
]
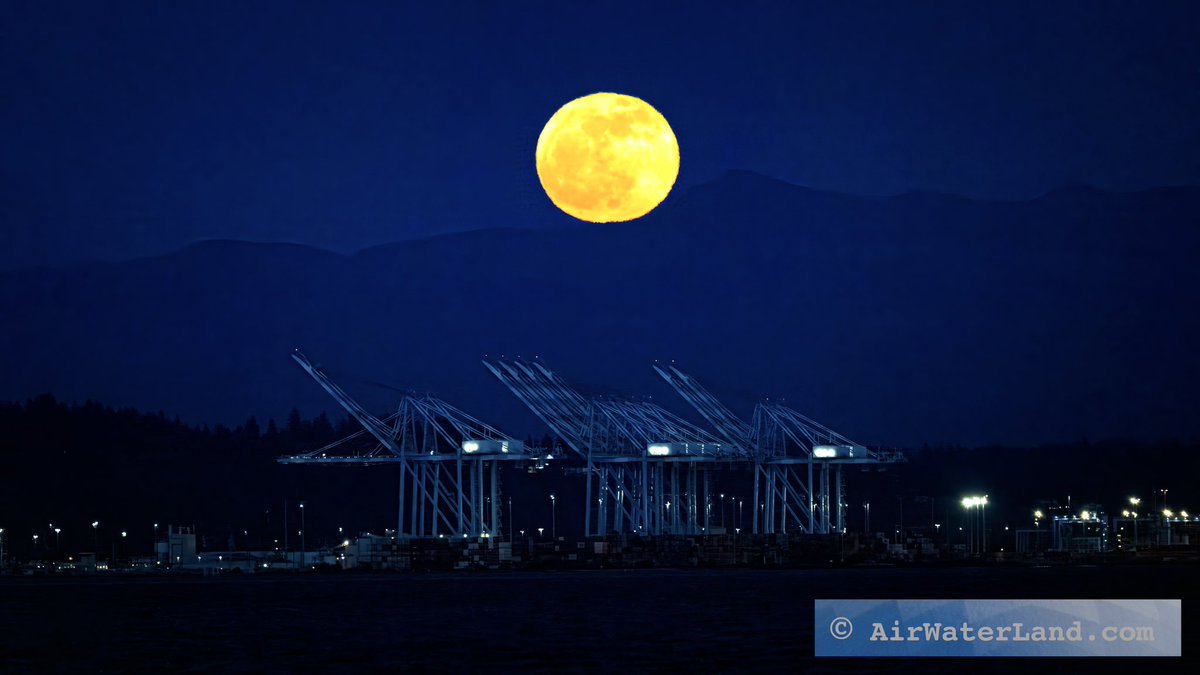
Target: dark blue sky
[{"x": 133, "y": 128}]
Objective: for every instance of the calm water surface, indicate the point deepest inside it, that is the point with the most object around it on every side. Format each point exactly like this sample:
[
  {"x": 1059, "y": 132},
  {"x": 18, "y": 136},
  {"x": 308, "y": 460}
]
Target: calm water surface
[{"x": 606, "y": 621}]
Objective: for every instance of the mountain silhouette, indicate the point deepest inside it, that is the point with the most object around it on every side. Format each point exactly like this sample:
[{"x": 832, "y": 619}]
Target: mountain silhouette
[{"x": 896, "y": 320}]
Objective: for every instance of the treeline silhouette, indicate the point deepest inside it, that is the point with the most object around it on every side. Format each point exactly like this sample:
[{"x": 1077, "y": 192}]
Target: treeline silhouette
[{"x": 74, "y": 464}]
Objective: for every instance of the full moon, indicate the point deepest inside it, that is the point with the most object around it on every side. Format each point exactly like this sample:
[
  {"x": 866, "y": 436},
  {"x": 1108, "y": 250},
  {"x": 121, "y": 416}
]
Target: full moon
[{"x": 606, "y": 158}]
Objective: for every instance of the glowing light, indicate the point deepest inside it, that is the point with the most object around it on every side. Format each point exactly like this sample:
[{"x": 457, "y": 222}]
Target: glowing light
[
  {"x": 470, "y": 446},
  {"x": 824, "y": 452},
  {"x": 1167, "y": 513},
  {"x": 1183, "y": 514},
  {"x": 607, "y": 158},
  {"x": 1085, "y": 515},
  {"x": 658, "y": 450},
  {"x": 1038, "y": 514}
]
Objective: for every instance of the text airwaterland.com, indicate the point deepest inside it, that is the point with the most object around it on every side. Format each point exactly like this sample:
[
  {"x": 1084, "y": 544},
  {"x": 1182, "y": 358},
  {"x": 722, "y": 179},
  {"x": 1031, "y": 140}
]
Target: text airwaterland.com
[{"x": 930, "y": 628}]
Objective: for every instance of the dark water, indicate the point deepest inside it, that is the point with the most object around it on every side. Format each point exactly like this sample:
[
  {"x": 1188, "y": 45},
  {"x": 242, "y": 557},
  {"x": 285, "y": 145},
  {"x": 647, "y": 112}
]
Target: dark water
[{"x": 640, "y": 621}]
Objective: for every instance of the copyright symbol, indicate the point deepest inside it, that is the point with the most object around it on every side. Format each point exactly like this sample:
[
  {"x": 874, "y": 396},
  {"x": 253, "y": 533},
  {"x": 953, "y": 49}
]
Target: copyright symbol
[{"x": 841, "y": 628}]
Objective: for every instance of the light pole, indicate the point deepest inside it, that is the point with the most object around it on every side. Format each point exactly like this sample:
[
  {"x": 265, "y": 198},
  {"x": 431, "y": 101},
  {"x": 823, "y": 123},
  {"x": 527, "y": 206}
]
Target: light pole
[
  {"x": 154, "y": 544},
  {"x": 1, "y": 547},
  {"x": 1135, "y": 501},
  {"x": 301, "y": 534},
  {"x": 58, "y": 539},
  {"x": 96, "y": 534},
  {"x": 969, "y": 503},
  {"x": 983, "y": 517},
  {"x": 553, "y": 516}
]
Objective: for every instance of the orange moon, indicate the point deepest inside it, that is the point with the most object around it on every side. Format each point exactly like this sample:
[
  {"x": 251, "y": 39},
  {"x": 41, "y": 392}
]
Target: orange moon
[{"x": 607, "y": 158}]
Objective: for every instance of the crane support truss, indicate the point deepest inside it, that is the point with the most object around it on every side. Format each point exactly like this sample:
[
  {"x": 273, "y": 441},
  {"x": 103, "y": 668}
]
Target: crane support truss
[
  {"x": 648, "y": 470},
  {"x": 627, "y": 489},
  {"x": 444, "y": 489},
  {"x": 791, "y": 481},
  {"x": 735, "y": 432}
]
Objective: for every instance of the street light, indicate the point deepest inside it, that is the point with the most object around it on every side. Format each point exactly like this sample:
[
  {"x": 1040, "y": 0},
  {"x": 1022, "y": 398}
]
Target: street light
[
  {"x": 553, "y": 516},
  {"x": 302, "y": 534},
  {"x": 971, "y": 503}
]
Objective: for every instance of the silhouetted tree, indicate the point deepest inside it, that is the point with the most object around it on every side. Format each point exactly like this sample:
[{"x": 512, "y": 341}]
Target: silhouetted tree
[
  {"x": 250, "y": 430},
  {"x": 295, "y": 425}
]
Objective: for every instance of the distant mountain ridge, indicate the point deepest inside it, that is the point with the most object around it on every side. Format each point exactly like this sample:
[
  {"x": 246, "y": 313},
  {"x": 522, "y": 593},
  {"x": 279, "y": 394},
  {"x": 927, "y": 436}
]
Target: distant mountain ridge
[{"x": 897, "y": 320}]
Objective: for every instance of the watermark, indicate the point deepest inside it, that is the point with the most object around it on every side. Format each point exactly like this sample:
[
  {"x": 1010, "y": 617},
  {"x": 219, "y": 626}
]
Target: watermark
[{"x": 998, "y": 628}]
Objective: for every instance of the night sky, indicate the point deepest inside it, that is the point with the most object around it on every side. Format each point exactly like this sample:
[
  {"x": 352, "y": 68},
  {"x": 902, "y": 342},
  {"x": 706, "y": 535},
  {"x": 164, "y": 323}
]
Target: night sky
[
  {"x": 134, "y": 128},
  {"x": 930, "y": 226},
  {"x": 816, "y": 246}
]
